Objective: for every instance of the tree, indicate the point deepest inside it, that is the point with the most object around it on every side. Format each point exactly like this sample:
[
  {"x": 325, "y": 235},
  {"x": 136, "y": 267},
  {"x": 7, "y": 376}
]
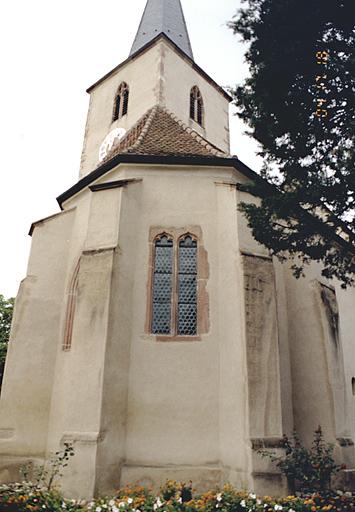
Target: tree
[
  {"x": 298, "y": 103},
  {"x": 6, "y": 311}
]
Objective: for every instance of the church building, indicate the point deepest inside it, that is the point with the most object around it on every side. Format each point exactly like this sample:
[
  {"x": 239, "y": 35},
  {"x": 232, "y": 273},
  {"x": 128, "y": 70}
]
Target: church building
[{"x": 152, "y": 330}]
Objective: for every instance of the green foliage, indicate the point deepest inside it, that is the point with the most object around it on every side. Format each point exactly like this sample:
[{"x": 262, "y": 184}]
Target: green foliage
[
  {"x": 133, "y": 499},
  {"x": 310, "y": 468},
  {"x": 37, "y": 490},
  {"x": 6, "y": 311},
  {"x": 43, "y": 477},
  {"x": 299, "y": 106},
  {"x": 176, "y": 490}
]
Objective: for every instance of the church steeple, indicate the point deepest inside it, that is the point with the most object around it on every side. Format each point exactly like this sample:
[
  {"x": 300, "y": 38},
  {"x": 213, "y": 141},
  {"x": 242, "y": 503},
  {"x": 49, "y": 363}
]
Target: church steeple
[{"x": 163, "y": 17}]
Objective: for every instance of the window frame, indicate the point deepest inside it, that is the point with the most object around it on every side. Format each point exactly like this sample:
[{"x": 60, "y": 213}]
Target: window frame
[
  {"x": 196, "y": 109},
  {"x": 201, "y": 305},
  {"x": 122, "y": 95}
]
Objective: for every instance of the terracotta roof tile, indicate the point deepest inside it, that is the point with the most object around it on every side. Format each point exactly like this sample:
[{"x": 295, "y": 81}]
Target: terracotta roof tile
[{"x": 159, "y": 132}]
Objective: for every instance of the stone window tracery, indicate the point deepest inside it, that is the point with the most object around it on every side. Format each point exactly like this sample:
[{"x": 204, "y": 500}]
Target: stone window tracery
[
  {"x": 121, "y": 102},
  {"x": 174, "y": 286},
  {"x": 196, "y": 106}
]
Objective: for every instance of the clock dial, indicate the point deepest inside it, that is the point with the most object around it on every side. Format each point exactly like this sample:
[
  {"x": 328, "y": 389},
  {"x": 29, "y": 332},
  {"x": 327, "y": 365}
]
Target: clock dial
[{"x": 108, "y": 142}]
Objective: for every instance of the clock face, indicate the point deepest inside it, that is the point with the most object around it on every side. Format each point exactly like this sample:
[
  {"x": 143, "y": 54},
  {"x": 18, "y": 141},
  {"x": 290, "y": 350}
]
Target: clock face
[{"x": 108, "y": 142}]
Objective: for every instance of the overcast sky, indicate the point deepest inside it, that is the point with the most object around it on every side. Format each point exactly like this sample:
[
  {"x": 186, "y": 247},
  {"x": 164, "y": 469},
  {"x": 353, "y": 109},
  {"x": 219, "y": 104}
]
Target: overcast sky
[{"x": 51, "y": 52}]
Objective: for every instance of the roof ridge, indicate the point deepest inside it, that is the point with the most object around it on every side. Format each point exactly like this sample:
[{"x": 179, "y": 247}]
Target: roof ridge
[
  {"x": 137, "y": 138},
  {"x": 148, "y": 123}
]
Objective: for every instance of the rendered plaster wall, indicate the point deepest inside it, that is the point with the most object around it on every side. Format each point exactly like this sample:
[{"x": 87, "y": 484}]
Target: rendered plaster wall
[
  {"x": 346, "y": 303},
  {"x": 77, "y": 391},
  {"x": 141, "y": 75},
  {"x": 174, "y": 410},
  {"x": 27, "y": 387},
  {"x": 170, "y": 408},
  {"x": 179, "y": 76},
  {"x": 158, "y": 76}
]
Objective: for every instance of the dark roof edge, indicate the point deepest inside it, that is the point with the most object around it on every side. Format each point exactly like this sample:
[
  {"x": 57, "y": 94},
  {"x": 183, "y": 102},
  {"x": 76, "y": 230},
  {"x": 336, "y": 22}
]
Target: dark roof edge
[
  {"x": 162, "y": 35},
  {"x": 45, "y": 219},
  {"x": 158, "y": 160},
  {"x": 207, "y": 161}
]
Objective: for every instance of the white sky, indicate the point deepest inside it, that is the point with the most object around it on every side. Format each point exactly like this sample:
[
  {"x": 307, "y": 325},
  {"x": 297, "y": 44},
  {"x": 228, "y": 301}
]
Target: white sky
[{"x": 51, "y": 53}]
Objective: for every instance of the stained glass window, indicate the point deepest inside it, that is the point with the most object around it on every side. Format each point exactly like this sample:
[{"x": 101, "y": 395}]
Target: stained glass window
[
  {"x": 187, "y": 287},
  {"x": 162, "y": 285}
]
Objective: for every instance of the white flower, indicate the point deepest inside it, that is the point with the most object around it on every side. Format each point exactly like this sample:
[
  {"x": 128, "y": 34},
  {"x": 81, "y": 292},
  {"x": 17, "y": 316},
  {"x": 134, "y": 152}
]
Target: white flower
[
  {"x": 64, "y": 505},
  {"x": 179, "y": 500},
  {"x": 277, "y": 507},
  {"x": 252, "y": 496},
  {"x": 98, "y": 509},
  {"x": 111, "y": 503},
  {"x": 243, "y": 504},
  {"x": 258, "y": 502},
  {"x": 129, "y": 501},
  {"x": 122, "y": 504},
  {"x": 219, "y": 497},
  {"x": 291, "y": 510},
  {"x": 158, "y": 503}
]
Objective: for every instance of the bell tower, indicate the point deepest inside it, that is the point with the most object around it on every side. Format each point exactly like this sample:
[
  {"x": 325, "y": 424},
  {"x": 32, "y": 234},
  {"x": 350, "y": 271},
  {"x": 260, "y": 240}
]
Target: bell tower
[{"x": 159, "y": 72}]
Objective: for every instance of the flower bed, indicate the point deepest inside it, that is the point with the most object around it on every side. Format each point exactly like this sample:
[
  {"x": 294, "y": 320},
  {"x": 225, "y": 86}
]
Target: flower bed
[{"x": 173, "y": 497}]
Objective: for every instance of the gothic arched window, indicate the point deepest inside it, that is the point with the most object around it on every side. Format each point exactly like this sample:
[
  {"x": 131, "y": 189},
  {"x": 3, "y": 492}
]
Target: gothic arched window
[
  {"x": 196, "y": 106},
  {"x": 121, "y": 102},
  {"x": 174, "y": 286},
  {"x": 162, "y": 284},
  {"x": 187, "y": 286}
]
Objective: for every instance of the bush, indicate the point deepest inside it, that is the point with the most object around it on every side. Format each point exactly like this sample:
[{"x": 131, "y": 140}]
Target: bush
[{"x": 309, "y": 470}]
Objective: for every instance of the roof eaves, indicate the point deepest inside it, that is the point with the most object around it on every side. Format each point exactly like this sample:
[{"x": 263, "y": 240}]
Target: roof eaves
[{"x": 158, "y": 160}]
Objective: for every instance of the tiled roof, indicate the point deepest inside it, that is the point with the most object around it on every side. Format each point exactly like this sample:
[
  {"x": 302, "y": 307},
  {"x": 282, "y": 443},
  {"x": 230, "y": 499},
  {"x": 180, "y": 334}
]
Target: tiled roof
[{"x": 159, "y": 132}]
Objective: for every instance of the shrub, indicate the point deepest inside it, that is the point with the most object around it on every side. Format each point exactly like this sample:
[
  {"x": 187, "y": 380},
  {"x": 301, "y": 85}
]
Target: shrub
[{"x": 309, "y": 469}]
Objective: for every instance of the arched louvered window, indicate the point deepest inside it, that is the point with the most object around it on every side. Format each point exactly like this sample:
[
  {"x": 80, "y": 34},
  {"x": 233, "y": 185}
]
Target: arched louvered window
[
  {"x": 196, "y": 106},
  {"x": 174, "y": 286},
  {"x": 187, "y": 286},
  {"x": 121, "y": 102},
  {"x": 162, "y": 285}
]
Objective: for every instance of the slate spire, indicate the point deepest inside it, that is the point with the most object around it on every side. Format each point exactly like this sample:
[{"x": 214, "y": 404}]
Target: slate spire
[{"x": 163, "y": 16}]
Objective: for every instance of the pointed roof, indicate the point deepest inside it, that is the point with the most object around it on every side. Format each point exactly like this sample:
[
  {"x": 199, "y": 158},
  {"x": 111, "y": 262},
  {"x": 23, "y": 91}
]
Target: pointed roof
[
  {"x": 163, "y": 16},
  {"x": 160, "y": 132}
]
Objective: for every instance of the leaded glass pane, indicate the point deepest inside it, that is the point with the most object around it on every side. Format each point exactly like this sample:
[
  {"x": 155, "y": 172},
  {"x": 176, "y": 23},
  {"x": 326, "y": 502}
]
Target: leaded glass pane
[
  {"x": 162, "y": 286},
  {"x": 187, "y": 260},
  {"x": 164, "y": 259},
  {"x": 187, "y": 319},
  {"x": 161, "y": 319},
  {"x": 187, "y": 287}
]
